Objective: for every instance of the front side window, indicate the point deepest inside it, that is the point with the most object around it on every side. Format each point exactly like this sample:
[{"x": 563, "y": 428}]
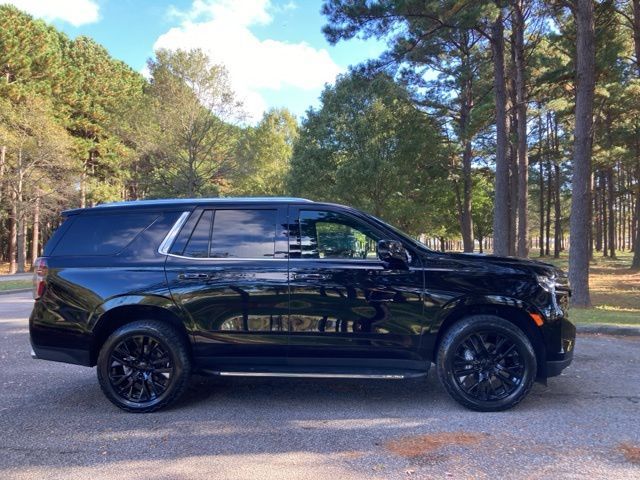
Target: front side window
[{"x": 325, "y": 234}]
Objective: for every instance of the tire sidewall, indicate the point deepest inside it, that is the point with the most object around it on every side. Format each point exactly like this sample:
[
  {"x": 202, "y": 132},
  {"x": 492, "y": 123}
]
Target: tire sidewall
[
  {"x": 482, "y": 324},
  {"x": 134, "y": 329}
]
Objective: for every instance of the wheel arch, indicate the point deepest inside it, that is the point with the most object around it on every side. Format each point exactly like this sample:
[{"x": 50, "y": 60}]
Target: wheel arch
[
  {"x": 110, "y": 319},
  {"x": 513, "y": 311}
]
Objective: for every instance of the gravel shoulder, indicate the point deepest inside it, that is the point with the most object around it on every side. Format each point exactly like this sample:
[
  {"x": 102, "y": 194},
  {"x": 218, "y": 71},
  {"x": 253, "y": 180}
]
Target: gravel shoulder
[{"x": 55, "y": 423}]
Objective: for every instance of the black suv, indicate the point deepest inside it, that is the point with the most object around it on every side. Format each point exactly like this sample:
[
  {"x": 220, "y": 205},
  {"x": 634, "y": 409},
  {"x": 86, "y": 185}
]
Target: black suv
[{"x": 152, "y": 291}]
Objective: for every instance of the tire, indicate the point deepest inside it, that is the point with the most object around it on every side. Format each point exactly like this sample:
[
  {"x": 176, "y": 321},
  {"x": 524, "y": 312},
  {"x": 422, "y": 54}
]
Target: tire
[
  {"x": 144, "y": 366},
  {"x": 486, "y": 363}
]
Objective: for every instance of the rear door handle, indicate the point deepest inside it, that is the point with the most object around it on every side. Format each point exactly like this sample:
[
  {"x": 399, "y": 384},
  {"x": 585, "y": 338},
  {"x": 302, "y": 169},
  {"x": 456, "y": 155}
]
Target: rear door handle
[
  {"x": 310, "y": 276},
  {"x": 193, "y": 276}
]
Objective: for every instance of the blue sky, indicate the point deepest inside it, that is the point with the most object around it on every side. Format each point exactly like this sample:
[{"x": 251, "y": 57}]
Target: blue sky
[{"x": 274, "y": 49}]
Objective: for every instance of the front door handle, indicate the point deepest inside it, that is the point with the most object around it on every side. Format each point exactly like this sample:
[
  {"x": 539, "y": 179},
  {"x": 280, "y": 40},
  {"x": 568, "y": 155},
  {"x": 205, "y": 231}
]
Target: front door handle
[{"x": 193, "y": 276}]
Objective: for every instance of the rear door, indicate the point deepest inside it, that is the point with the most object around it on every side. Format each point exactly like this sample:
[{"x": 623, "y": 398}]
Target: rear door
[
  {"x": 347, "y": 308},
  {"x": 228, "y": 271}
]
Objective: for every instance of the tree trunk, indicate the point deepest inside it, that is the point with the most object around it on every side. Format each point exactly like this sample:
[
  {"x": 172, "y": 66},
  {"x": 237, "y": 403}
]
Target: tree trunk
[
  {"x": 604, "y": 202},
  {"x": 541, "y": 186},
  {"x": 512, "y": 130},
  {"x": 581, "y": 181},
  {"x": 521, "y": 109},
  {"x": 22, "y": 244},
  {"x": 466, "y": 220},
  {"x": 13, "y": 237},
  {"x": 35, "y": 242},
  {"x": 557, "y": 232},
  {"x": 636, "y": 42},
  {"x": 20, "y": 218},
  {"x": 3, "y": 154},
  {"x": 547, "y": 245},
  {"x": 598, "y": 217},
  {"x": 466, "y": 224},
  {"x": 612, "y": 217},
  {"x": 501, "y": 200}
]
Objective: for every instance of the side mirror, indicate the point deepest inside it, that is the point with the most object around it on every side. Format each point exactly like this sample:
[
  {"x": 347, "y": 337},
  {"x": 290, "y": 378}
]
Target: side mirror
[{"x": 393, "y": 253}]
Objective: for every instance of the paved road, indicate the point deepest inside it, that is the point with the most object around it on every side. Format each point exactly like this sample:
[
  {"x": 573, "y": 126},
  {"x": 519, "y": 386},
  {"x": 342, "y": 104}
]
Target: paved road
[{"x": 55, "y": 423}]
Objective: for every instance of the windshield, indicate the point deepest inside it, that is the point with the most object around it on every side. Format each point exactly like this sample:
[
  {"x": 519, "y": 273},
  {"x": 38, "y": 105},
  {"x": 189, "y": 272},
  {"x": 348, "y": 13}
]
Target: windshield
[{"x": 400, "y": 233}]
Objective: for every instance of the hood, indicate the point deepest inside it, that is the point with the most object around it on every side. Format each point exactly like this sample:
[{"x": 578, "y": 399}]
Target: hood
[{"x": 479, "y": 260}]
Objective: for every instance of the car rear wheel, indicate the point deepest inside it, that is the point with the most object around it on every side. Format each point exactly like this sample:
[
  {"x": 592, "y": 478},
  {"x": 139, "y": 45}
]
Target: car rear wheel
[
  {"x": 486, "y": 363},
  {"x": 144, "y": 366}
]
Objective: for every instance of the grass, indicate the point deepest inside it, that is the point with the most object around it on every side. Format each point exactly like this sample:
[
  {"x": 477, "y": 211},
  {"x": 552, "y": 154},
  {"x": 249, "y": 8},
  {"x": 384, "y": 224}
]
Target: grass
[
  {"x": 615, "y": 290},
  {"x": 15, "y": 285}
]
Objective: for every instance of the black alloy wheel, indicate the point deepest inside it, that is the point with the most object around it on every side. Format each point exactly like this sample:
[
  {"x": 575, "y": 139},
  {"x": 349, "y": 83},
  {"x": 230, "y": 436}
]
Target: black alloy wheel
[
  {"x": 486, "y": 363},
  {"x": 144, "y": 366},
  {"x": 140, "y": 368},
  {"x": 487, "y": 366}
]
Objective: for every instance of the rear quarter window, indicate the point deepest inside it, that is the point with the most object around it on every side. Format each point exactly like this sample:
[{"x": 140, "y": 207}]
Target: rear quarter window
[{"x": 102, "y": 234}]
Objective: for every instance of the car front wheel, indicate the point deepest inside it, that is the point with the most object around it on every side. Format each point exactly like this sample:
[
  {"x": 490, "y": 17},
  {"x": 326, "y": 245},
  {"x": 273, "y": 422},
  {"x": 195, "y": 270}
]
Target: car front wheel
[
  {"x": 144, "y": 366},
  {"x": 486, "y": 363}
]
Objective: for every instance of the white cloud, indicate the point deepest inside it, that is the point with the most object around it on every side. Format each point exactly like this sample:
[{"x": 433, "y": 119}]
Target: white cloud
[
  {"x": 75, "y": 12},
  {"x": 221, "y": 28}
]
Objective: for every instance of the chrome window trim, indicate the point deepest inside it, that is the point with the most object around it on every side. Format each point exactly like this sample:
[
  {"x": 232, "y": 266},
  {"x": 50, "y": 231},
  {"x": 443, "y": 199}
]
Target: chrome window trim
[
  {"x": 227, "y": 259},
  {"x": 164, "y": 247},
  {"x": 346, "y": 264}
]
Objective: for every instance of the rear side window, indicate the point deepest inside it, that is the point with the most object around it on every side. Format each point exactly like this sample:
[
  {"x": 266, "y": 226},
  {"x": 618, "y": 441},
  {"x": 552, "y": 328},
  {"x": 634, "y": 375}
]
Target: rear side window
[
  {"x": 198, "y": 244},
  {"x": 233, "y": 233},
  {"x": 102, "y": 234},
  {"x": 243, "y": 234}
]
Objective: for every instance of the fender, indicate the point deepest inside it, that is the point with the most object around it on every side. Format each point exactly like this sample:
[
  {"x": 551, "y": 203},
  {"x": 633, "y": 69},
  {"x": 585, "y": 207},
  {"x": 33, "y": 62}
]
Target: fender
[
  {"x": 451, "y": 308},
  {"x": 117, "y": 301},
  {"x": 471, "y": 304},
  {"x": 100, "y": 321}
]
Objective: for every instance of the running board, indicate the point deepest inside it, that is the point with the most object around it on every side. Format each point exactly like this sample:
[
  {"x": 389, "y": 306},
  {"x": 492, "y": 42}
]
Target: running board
[{"x": 376, "y": 376}]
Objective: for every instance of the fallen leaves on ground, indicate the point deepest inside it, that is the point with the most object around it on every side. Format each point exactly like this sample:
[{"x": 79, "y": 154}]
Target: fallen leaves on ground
[
  {"x": 630, "y": 452},
  {"x": 421, "y": 445}
]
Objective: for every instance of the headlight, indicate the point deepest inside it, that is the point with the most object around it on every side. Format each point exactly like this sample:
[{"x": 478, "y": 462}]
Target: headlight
[{"x": 547, "y": 283}]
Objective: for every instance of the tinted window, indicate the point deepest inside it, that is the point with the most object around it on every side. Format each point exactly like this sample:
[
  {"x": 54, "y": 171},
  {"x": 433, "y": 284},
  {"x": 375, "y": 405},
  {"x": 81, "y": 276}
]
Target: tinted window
[
  {"x": 102, "y": 234},
  {"x": 243, "y": 234},
  {"x": 333, "y": 235},
  {"x": 198, "y": 244}
]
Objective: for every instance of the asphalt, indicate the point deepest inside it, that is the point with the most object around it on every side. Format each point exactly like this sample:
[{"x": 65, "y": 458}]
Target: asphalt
[{"x": 55, "y": 423}]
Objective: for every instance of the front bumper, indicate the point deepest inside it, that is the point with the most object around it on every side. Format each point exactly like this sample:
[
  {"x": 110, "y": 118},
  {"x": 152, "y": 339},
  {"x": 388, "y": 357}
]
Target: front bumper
[
  {"x": 560, "y": 346},
  {"x": 555, "y": 367}
]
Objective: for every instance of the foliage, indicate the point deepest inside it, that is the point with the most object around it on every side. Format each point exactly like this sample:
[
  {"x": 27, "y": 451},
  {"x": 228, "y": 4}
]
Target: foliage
[
  {"x": 264, "y": 154},
  {"x": 368, "y": 146},
  {"x": 191, "y": 139}
]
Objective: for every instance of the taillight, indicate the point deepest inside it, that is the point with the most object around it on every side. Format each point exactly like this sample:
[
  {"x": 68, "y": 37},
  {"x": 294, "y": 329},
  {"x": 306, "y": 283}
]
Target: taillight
[{"x": 39, "y": 275}]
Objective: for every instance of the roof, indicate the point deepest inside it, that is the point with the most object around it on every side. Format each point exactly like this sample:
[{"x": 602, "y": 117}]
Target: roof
[{"x": 176, "y": 202}]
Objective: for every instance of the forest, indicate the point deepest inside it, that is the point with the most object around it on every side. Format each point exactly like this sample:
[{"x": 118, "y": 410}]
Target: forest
[{"x": 507, "y": 126}]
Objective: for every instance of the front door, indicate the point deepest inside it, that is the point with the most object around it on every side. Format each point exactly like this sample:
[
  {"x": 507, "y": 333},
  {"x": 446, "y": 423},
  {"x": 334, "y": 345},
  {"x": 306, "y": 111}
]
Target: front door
[
  {"x": 346, "y": 307},
  {"x": 228, "y": 271}
]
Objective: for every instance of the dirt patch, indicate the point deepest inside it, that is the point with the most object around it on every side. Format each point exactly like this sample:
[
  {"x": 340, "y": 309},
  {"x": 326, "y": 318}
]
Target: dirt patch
[
  {"x": 429, "y": 445},
  {"x": 630, "y": 452}
]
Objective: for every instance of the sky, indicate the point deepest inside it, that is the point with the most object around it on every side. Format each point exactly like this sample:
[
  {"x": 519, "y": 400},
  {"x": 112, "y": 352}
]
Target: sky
[{"x": 274, "y": 50}]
